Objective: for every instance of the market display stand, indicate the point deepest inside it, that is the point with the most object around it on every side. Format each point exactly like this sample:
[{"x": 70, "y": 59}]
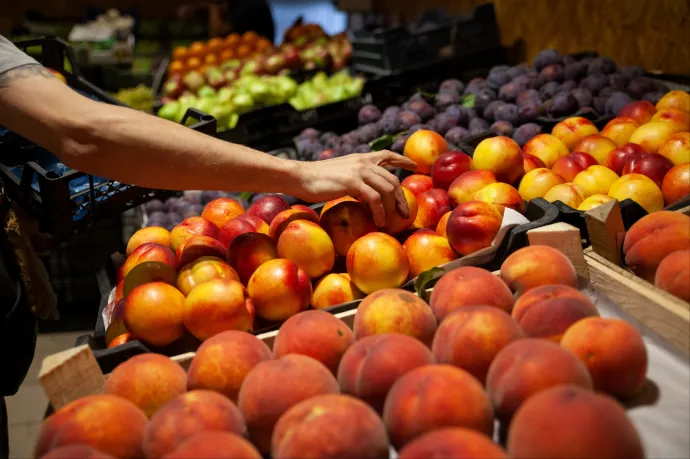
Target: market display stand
[{"x": 661, "y": 413}]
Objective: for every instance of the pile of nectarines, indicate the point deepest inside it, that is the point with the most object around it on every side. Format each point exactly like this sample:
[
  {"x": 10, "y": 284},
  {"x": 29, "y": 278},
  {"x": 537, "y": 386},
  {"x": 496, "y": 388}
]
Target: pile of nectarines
[{"x": 523, "y": 346}]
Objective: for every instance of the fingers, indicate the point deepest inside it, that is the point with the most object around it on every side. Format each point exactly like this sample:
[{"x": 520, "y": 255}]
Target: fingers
[
  {"x": 388, "y": 158},
  {"x": 374, "y": 201},
  {"x": 398, "y": 193},
  {"x": 386, "y": 191}
]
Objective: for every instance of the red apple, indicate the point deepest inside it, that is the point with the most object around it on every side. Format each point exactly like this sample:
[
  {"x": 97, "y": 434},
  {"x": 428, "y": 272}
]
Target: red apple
[
  {"x": 449, "y": 166},
  {"x": 268, "y": 207},
  {"x": 572, "y": 164},
  {"x": 620, "y": 156},
  {"x": 653, "y": 165}
]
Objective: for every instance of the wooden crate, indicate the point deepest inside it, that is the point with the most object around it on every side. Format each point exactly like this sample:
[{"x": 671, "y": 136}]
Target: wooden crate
[{"x": 661, "y": 412}]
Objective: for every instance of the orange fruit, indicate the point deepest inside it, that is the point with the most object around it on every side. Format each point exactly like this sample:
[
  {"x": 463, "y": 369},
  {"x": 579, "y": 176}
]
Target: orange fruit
[
  {"x": 197, "y": 49},
  {"x": 227, "y": 55},
  {"x": 204, "y": 68},
  {"x": 193, "y": 63},
  {"x": 180, "y": 53},
  {"x": 215, "y": 45},
  {"x": 232, "y": 40},
  {"x": 263, "y": 44},
  {"x": 176, "y": 68},
  {"x": 211, "y": 59},
  {"x": 250, "y": 36},
  {"x": 243, "y": 51}
]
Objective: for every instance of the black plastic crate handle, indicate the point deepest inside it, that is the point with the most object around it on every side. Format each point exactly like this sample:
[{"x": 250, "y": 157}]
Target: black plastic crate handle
[
  {"x": 206, "y": 123},
  {"x": 53, "y": 52}
]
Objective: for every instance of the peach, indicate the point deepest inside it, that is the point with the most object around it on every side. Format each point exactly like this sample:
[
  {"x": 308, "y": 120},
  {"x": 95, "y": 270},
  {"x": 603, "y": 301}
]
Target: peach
[
  {"x": 417, "y": 183},
  {"x": 151, "y": 234},
  {"x": 249, "y": 251},
  {"x": 470, "y": 338},
  {"x": 502, "y": 156},
  {"x": 214, "y": 445},
  {"x": 596, "y": 180},
  {"x": 571, "y": 130},
  {"x": 442, "y": 223},
  {"x": 216, "y": 306},
  {"x": 187, "y": 415},
  {"x": 452, "y": 442},
  {"x": 524, "y": 268},
  {"x": 572, "y": 164},
  {"x": 469, "y": 286},
  {"x": 372, "y": 364},
  {"x": 275, "y": 386},
  {"x": 154, "y": 313},
  {"x": 431, "y": 206},
  {"x": 530, "y": 162},
  {"x": 119, "y": 291},
  {"x": 546, "y": 147},
  {"x": 316, "y": 334},
  {"x": 464, "y": 187},
  {"x": 241, "y": 224},
  {"x": 472, "y": 226},
  {"x": 76, "y": 450},
  {"x": 570, "y": 194},
  {"x": 283, "y": 219},
  {"x": 377, "y": 261},
  {"x": 332, "y": 203},
  {"x": 679, "y": 120},
  {"x": 351, "y": 427},
  {"x": 432, "y": 397},
  {"x": 395, "y": 311},
  {"x": 501, "y": 195},
  {"x": 677, "y": 99},
  {"x": 202, "y": 270},
  {"x": 526, "y": 367},
  {"x": 594, "y": 201},
  {"x": 427, "y": 249},
  {"x": 652, "y": 165},
  {"x": 267, "y": 207},
  {"x": 223, "y": 361},
  {"x": 640, "y": 189},
  {"x": 424, "y": 147},
  {"x": 620, "y": 156},
  {"x": 620, "y": 129},
  {"x": 597, "y": 146},
  {"x": 149, "y": 251},
  {"x": 676, "y": 148},
  {"x": 396, "y": 223},
  {"x": 147, "y": 380},
  {"x": 641, "y": 111},
  {"x": 221, "y": 210},
  {"x": 449, "y": 166},
  {"x": 192, "y": 226},
  {"x": 549, "y": 310},
  {"x": 652, "y": 238},
  {"x": 673, "y": 274},
  {"x": 334, "y": 289},
  {"x": 109, "y": 424},
  {"x": 596, "y": 426},
  {"x": 676, "y": 183},
  {"x": 120, "y": 340},
  {"x": 279, "y": 289},
  {"x": 308, "y": 245},
  {"x": 538, "y": 182},
  {"x": 197, "y": 247},
  {"x": 653, "y": 135},
  {"x": 613, "y": 352},
  {"x": 345, "y": 222},
  {"x": 302, "y": 207}
]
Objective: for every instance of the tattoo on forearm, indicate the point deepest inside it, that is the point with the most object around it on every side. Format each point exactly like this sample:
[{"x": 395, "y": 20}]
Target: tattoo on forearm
[{"x": 24, "y": 71}]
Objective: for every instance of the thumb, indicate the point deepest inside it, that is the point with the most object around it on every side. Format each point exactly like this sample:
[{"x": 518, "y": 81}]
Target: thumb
[{"x": 388, "y": 158}]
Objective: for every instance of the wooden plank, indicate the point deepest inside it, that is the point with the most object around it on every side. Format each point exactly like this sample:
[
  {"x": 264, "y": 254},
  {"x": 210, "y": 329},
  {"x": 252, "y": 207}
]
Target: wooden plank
[
  {"x": 565, "y": 238},
  {"x": 605, "y": 225},
  {"x": 658, "y": 310},
  {"x": 69, "y": 375}
]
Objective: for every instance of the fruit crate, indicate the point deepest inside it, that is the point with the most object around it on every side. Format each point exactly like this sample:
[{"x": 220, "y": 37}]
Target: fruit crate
[
  {"x": 659, "y": 412},
  {"x": 385, "y": 52},
  {"x": 65, "y": 201}
]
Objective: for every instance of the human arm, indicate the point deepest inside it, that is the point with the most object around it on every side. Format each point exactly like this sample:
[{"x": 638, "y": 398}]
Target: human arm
[{"x": 133, "y": 147}]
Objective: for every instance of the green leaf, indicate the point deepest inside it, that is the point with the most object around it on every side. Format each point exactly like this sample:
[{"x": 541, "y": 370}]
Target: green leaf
[
  {"x": 468, "y": 100},
  {"x": 246, "y": 195},
  {"x": 382, "y": 142},
  {"x": 423, "y": 280}
]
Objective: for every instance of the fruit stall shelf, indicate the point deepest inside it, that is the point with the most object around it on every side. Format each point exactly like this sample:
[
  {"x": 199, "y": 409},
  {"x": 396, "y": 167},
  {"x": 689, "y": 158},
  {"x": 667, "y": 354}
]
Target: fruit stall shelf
[
  {"x": 659, "y": 412},
  {"x": 65, "y": 201}
]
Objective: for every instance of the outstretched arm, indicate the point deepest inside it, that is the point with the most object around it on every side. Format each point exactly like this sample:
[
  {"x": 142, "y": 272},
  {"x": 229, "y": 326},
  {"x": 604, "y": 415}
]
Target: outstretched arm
[{"x": 133, "y": 147}]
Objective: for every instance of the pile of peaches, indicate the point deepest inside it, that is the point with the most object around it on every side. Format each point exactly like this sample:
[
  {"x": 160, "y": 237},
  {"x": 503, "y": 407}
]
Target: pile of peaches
[{"x": 429, "y": 379}]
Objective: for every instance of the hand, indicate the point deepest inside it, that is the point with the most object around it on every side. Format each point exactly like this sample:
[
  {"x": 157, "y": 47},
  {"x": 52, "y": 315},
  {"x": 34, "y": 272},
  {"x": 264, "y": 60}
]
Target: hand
[{"x": 360, "y": 176}]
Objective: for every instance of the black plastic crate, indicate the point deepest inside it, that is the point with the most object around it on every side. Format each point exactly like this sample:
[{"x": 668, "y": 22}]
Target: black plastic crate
[{"x": 66, "y": 201}]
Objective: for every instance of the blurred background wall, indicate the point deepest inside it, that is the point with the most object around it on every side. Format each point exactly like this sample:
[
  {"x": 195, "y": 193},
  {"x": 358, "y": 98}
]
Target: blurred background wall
[{"x": 652, "y": 33}]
